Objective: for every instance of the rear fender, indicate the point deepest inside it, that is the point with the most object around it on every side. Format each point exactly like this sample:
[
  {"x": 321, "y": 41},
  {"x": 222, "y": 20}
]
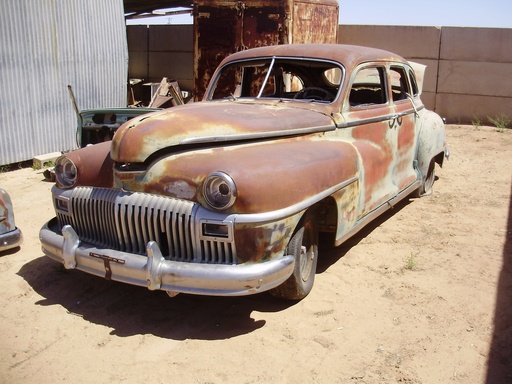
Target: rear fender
[{"x": 431, "y": 142}]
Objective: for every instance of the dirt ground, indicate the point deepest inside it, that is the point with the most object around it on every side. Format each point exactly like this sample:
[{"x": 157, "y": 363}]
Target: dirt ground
[{"x": 423, "y": 295}]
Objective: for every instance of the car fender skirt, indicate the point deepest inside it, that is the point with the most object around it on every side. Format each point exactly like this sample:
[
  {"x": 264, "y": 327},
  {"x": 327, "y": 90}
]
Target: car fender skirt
[{"x": 157, "y": 273}]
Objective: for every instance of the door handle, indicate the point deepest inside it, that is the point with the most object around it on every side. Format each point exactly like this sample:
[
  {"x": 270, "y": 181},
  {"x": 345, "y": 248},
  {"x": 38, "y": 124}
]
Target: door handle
[{"x": 393, "y": 118}]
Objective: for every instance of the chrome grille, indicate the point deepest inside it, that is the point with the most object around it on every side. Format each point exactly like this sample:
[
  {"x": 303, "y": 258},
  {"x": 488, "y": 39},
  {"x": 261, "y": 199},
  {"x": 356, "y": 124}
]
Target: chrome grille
[
  {"x": 217, "y": 252},
  {"x": 127, "y": 221}
]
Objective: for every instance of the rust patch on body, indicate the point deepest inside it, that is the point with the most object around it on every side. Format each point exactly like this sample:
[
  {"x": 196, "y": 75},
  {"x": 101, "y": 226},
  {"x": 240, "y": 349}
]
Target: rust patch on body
[{"x": 263, "y": 242}]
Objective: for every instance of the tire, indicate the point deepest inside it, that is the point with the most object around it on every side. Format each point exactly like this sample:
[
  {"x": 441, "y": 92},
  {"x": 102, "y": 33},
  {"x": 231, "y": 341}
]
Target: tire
[
  {"x": 304, "y": 247},
  {"x": 426, "y": 187}
]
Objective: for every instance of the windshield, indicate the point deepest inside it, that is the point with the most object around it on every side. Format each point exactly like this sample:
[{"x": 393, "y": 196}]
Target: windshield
[{"x": 279, "y": 78}]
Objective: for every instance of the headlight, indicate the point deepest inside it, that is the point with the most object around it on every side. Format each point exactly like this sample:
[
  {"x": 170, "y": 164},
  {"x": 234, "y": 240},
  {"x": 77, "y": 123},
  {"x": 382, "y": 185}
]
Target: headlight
[
  {"x": 65, "y": 172},
  {"x": 219, "y": 190}
]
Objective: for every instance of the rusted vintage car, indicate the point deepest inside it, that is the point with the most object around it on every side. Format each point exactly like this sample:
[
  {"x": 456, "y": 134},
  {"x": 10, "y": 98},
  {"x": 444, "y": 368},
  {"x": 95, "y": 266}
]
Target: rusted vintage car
[
  {"x": 228, "y": 196},
  {"x": 10, "y": 235}
]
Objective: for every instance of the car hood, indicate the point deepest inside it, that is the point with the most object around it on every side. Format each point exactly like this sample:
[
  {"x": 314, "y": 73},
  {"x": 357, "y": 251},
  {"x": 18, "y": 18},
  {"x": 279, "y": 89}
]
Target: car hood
[{"x": 206, "y": 123}]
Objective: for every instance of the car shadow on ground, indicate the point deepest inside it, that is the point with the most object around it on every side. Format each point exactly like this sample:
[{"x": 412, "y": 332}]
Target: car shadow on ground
[
  {"x": 499, "y": 365},
  {"x": 10, "y": 251},
  {"x": 131, "y": 310}
]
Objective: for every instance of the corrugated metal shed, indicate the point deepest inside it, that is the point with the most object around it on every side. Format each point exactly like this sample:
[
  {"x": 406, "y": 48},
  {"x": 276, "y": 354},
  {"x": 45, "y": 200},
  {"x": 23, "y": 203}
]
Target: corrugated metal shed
[{"x": 44, "y": 46}]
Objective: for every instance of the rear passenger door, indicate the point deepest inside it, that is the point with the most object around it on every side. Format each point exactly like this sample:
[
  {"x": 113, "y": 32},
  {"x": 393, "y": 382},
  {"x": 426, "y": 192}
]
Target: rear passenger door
[{"x": 404, "y": 126}]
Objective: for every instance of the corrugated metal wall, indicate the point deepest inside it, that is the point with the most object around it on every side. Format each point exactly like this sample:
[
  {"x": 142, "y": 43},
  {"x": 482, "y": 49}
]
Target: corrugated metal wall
[{"x": 44, "y": 46}]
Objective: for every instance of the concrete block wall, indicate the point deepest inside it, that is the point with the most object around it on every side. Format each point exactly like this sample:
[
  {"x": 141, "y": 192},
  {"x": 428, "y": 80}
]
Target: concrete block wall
[
  {"x": 468, "y": 69},
  {"x": 404, "y": 41},
  {"x": 475, "y": 73},
  {"x": 468, "y": 75}
]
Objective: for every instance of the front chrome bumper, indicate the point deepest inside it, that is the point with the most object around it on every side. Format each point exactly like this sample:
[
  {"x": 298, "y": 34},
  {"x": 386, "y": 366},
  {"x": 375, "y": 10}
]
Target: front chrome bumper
[
  {"x": 157, "y": 273},
  {"x": 10, "y": 239}
]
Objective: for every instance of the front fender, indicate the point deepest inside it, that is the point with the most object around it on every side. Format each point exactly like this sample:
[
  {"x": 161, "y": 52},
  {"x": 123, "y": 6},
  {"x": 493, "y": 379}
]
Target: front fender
[
  {"x": 94, "y": 165},
  {"x": 431, "y": 141},
  {"x": 268, "y": 176}
]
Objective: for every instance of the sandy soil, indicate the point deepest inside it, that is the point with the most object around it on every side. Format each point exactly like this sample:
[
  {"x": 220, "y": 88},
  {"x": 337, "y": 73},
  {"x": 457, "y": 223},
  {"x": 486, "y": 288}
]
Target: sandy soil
[{"x": 421, "y": 296}]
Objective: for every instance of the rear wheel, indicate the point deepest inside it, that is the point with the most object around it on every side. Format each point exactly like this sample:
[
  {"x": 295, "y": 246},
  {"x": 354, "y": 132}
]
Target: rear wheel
[{"x": 304, "y": 247}]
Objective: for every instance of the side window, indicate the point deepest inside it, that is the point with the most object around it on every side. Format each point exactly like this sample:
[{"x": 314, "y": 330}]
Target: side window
[
  {"x": 399, "y": 83},
  {"x": 414, "y": 84},
  {"x": 368, "y": 88}
]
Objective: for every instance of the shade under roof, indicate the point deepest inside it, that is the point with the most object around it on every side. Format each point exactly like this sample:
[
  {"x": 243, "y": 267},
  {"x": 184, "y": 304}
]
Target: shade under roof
[{"x": 138, "y": 7}]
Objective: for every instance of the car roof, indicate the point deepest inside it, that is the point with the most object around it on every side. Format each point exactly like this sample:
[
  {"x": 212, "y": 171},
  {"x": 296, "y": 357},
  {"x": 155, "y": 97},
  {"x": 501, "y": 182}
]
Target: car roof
[{"x": 348, "y": 55}]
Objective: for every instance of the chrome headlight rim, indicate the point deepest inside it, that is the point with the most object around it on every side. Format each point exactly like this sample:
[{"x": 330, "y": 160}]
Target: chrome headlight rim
[
  {"x": 66, "y": 172},
  {"x": 219, "y": 191}
]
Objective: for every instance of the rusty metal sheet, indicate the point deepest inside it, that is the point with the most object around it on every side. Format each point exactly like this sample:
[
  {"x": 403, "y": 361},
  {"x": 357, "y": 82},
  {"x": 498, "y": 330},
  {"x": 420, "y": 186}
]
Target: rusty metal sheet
[
  {"x": 315, "y": 22},
  {"x": 224, "y": 27}
]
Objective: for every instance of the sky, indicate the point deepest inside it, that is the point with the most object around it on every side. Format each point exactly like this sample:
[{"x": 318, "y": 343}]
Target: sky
[{"x": 439, "y": 13}]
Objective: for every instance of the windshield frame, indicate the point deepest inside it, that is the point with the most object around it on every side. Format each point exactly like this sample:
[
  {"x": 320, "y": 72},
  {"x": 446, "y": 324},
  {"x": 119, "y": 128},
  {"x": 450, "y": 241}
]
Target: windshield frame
[{"x": 310, "y": 68}]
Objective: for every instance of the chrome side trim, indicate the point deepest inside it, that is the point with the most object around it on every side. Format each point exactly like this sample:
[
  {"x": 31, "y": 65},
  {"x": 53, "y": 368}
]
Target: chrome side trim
[
  {"x": 261, "y": 218},
  {"x": 253, "y": 136},
  {"x": 391, "y": 116}
]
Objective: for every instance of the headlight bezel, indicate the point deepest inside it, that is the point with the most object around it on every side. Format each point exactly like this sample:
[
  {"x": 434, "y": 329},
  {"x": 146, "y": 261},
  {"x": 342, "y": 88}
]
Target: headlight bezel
[
  {"x": 219, "y": 191},
  {"x": 66, "y": 172}
]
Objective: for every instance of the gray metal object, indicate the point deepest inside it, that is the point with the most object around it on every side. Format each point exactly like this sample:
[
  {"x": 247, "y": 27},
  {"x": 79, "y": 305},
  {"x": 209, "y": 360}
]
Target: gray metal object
[{"x": 10, "y": 235}]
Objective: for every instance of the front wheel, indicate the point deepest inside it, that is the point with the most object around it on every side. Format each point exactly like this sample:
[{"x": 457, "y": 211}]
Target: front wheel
[{"x": 304, "y": 247}]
